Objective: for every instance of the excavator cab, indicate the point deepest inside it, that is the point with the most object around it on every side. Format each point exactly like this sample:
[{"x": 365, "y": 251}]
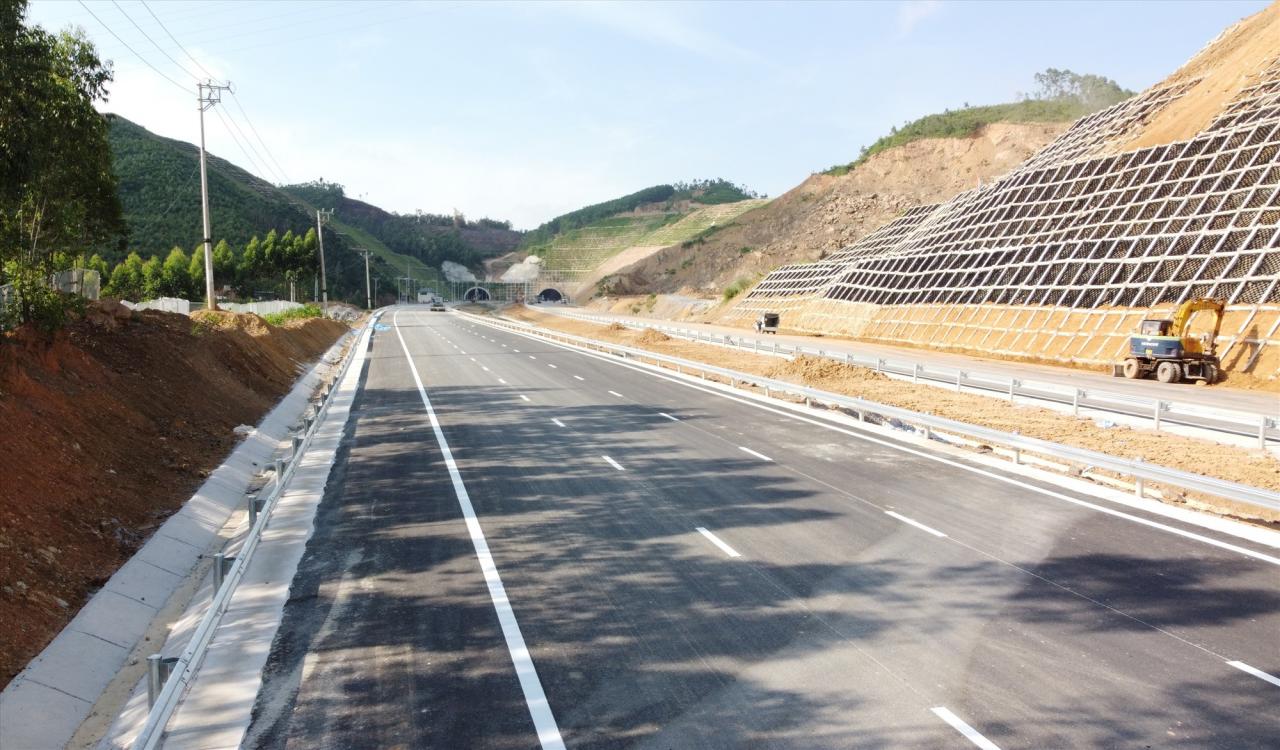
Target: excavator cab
[{"x": 1168, "y": 349}]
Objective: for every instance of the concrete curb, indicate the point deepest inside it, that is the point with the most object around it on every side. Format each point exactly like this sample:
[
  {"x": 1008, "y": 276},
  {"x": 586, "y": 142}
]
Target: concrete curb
[{"x": 44, "y": 705}]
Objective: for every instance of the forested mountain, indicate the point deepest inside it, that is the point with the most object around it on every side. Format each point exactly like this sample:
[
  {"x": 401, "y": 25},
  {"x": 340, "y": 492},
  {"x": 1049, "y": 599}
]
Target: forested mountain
[
  {"x": 159, "y": 188},
  {"x": 428, "y": 238}
]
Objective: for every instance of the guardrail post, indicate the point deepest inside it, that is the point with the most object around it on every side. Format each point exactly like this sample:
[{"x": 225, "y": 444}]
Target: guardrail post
[
  {"x": 251, "y": 500},
  {"x": 915, "y": 373},
  {"x": 297, "y": 445},
  {"x": 848, "y": 359},
  {"x": 1262, "y": 433},
  {"x": 775, "y": 347},
  {"x": 1138, "y": 485},
  {"x": 221, "y": 564},
  {"x": 1013, "y": 384},
  {"x": 879, "y": 364},
  {"x": 757, "y": 342},
  {"x": 1157, "y": 412},
  {"x": 279, "y": 471},
  {"x": 1075, "y": 402},
  {"x": 1017, "y": 453},
  {"x": 158, "y": 671},
  {"x": 767, "y": 394},
  {"x": 959, "y": 378}
]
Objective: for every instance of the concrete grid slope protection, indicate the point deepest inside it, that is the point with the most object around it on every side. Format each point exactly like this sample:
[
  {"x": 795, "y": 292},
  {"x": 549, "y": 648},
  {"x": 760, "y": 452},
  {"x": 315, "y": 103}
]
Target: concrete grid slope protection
[{"x": 1060, "y": 258}]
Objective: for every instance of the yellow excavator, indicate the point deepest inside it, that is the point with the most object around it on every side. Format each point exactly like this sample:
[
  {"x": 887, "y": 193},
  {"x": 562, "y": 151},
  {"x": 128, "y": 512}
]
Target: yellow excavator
[{"x": 1166, "y": 348}]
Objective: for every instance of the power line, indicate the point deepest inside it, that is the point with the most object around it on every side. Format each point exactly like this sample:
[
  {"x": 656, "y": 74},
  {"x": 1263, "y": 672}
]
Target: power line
[
  {"x": 230, "y": 132},
  {"x": 194, "y": 77},
  {"x": 175, "y": 41},
  {"x": 249, "y": 143},
  {"x": 249, "y": 122},
  {"x": 144, "y": 60}
]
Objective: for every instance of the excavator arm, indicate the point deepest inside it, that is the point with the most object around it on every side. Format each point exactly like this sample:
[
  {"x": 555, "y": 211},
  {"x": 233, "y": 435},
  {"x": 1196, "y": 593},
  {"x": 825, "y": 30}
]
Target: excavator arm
[{"x": 1182, "y": 318}]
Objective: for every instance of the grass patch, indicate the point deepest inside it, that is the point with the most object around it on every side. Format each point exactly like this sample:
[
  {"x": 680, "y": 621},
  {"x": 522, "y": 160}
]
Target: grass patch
[
  {"x": 739, "y": 286},
  {"x": 297, "y": 313},
  {"x": 962, "y": 123}
]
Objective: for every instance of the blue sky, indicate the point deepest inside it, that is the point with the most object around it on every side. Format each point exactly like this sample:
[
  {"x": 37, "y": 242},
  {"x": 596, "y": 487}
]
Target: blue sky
[{"x": 523, "y": 111}]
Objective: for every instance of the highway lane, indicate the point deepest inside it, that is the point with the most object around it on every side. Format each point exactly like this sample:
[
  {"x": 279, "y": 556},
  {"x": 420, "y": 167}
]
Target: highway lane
[{"x": 1039, "y": 622}]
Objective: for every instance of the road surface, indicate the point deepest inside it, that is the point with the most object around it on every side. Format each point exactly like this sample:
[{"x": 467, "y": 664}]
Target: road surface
[{"x": 562, "y": 548}]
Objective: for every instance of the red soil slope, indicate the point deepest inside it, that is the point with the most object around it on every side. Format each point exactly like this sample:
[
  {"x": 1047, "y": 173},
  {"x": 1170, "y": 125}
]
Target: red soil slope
[{"x": 105, "y": 430}]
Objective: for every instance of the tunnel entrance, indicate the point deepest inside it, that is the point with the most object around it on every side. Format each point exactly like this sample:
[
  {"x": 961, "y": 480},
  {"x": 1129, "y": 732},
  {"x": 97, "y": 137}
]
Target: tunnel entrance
[
  {"x": 477, "y": 294},
  {"x": 550, "y": 295}
]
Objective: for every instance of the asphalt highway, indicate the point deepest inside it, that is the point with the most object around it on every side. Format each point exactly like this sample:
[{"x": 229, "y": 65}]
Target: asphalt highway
[{"x": 526, "y": 545}]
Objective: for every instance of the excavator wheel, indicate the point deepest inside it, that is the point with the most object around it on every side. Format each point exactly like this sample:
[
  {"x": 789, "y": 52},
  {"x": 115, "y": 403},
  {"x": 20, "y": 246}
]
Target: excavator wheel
[
  {"x": 1211, "y": 374},
  {"x": 1169, "y": 372},
  {"x": 1132, "y": 369}
]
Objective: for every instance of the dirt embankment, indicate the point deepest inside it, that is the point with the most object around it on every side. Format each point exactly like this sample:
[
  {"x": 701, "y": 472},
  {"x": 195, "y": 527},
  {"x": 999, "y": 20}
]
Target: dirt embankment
[
  {"x": 105, "y": 430},
  {"x": 1187, "y": 454},
  {"x": 1224, "y": 68},
  {"x": 826, "y": 213}
]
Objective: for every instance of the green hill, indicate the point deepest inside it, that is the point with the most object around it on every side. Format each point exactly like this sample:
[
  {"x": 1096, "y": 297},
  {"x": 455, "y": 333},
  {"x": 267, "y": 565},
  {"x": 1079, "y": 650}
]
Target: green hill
[
  {"x": 159, "y": 188},
  {"x": 1061, "y": 96},
  {"x": 584, "y": 248}
]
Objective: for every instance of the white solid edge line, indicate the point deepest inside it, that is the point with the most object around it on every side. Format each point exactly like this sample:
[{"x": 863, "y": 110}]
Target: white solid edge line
[
  {"x": 971, "y": 734},
  {"x": 558, "y": 422},
  {"x": 916, "y": 524},
  {"x": 613, "y": 463},
  {"x": 544, "y": 722},
  {"x": 668, "y": 416},
  {"x": 758, "y": 402},
  {"x": 551, "y": 365},
  {"x": 615, "y": 393},
  {"x": 760, "y": 456},
  {"x": 717, "y": 541},
  {"x": 579, "y": 377},
  {"x": 1256, "y": 672},
  {"x": 526, "y": 398}
]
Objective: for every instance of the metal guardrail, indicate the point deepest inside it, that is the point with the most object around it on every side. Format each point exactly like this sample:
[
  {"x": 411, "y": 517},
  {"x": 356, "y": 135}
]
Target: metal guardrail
[
  {"x": 1157, "y": 411},
  {"x": 1140, "y": 471},
  {"x": 182, "y": 672}
]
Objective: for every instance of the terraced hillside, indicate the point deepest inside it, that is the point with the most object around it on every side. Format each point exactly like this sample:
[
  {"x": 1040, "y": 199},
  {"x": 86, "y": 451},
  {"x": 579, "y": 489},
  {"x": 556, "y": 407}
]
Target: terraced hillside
[{"x": 581, "y": 251}]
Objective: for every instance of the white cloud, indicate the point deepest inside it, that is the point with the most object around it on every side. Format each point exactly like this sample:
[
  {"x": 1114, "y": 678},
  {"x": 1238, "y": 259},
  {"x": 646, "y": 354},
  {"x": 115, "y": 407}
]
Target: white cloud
[
  {"x": 657, "y": 23},
  {"x": 912, "y": 12}
]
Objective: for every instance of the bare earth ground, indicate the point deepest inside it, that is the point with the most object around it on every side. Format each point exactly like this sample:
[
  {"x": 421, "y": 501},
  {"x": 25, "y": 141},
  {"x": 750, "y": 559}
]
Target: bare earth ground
[
  {"x": 1203, "y": 457},
  {"x": 826, "y": 213},
  {"x": 106, "y": 429}
]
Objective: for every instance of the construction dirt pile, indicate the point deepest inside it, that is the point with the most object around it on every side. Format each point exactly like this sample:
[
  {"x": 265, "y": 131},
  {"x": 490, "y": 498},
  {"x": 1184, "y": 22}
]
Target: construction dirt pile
[
  {"x": 828, "y": 212},
  {"x": 106, "y": 428},
  {"x": 1184, "y": 453}
]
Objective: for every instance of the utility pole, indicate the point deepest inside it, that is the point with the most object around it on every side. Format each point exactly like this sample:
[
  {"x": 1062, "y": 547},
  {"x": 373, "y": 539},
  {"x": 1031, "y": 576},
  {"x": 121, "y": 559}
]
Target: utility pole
[
  {"x": 368, "y": 287},
  {"x": 208, "y": 94},
  {"x": 323, "y": 216}
]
